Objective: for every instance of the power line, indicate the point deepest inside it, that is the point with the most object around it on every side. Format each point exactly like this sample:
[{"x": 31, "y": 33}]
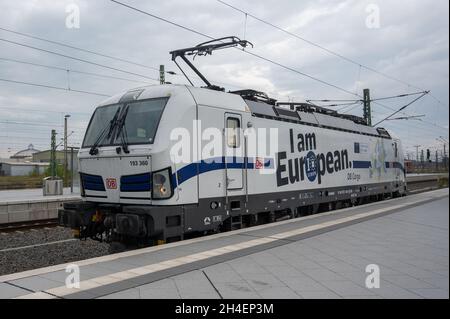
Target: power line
[
  {"x": 210, "y": 37},
  {"x": 406, "y": 114},
  {"x": 329, "y": 100},
  {"x": 412, "y": 117},
  {"x": 80, "y": 49},
  {"x": 300, "y": 72},
  {"x": 339, "y": 104},
  {"x": 402, "y": 108},
  {"x": 40, "y": 111},
  {"x": 250, "y": 53},
  {"x": 26, "y": 137},
  {"x": 392, "y": 109},
  {"x": 372, "y": 100},
  {"x": 398, "y": 96},
  {"x": 348, "y": 109},
  {"x": 360, "y": 65},
  {"x": 77, "y": 59},
  {"x": 52, "y": 87},
  {"x": 72, "y": 70},
  {"x": 32, "y": 123},
  {"x": 436, "y": 127}
]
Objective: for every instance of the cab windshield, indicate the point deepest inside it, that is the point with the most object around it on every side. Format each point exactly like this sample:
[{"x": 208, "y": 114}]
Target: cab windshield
[{"x": 140, "y": 123}]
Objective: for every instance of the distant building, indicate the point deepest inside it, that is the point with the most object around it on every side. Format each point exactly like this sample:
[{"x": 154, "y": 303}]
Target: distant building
[
  {"x": 25, "y": 155},
  {"x": 21, "y": 168},
  {"x": 44, "y": 157},
  {"x": 33, "y": 161}
]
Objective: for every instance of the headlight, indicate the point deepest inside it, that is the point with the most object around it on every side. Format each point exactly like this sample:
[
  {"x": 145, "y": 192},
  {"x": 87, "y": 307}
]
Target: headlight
[{"x": 161, "y": 184}]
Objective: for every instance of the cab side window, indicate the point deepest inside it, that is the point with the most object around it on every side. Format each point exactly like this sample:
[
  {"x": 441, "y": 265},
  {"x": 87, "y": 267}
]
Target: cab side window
[{"x": 233, "y": 132}]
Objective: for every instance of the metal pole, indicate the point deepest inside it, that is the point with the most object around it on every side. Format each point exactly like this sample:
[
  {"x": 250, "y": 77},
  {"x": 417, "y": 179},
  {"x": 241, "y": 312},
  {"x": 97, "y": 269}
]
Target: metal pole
[
  {"x": 65, "y": 150},
  {"x": 421, "y": 159},
  {"x": 367, "y": 109},
  {"x": 417, "y": 152},
  {"x": 162, "y": 74},
  {"x": 71, "y": 170},
  {"x": 53, "y": 155},
  {"x": 445, "y": 158},
  {"x": 437, "y": 161}
]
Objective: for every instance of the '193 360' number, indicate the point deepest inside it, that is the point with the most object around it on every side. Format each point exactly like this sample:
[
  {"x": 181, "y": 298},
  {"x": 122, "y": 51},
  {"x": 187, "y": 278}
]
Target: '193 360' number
[{"x": 139, "y": 163}]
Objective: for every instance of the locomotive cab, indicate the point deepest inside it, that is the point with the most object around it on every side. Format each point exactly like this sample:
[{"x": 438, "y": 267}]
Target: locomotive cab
[{"x": 123, "y": 158}]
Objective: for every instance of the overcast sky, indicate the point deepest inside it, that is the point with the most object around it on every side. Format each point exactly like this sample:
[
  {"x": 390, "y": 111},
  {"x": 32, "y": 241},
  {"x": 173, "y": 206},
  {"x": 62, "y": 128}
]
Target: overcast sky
[{"x": 410, "y": 44}]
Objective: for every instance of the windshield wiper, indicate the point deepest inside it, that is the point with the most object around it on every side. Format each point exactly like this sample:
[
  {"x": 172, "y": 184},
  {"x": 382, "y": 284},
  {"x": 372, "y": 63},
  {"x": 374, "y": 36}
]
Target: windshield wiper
[
  {"x": 122, "y": 131},
  {"x": 109, "y": 128}
]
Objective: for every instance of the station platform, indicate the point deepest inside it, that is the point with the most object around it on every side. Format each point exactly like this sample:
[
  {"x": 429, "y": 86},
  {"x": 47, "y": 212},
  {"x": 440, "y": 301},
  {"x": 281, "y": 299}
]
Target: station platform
[
  {"x": 24, "y": 205},
  {"x": 34, "y": 194},
  {"x": 425, "y": 177},
  {"x": 319, "y": 256}
]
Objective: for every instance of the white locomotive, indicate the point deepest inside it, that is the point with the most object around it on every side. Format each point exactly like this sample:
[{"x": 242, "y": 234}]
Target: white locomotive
[{"x": 143, "y": 181}]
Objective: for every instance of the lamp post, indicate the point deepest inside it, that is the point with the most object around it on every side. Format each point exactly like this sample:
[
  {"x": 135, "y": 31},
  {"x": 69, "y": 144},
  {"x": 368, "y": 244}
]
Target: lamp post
[{"x": 65, "y": 148}]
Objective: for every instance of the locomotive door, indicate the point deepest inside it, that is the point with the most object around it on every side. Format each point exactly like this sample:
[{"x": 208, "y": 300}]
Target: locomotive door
[{"x": 233, "y": 152}]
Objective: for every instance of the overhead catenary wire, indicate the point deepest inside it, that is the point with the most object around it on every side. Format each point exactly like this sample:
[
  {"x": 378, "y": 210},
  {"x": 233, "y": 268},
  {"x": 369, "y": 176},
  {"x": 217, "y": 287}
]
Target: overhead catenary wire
[
  {"x": 77, "y": 59},
  {"x": 330, "y": 100},
  {"x": 413, "y": 117},
  {"x": 245, "y": 51},
  {"x": 339, "y": 55},
  {"x": 402, "y": 108},
  {"x": 35, "y": 123},
  {"x": 338, "y": 104},
  {"x": 72, "y": 70},
  {"x": 119, "y": 59},
  {"x": 42, "y": 111},
  {"x": 99, "y": 54},
  {"x": 82, "y": 50},
  {"x": 406, "y": 114},
  {"x": 53, "y": 87},
  {"x": 376, "y": 101},
  {"x": 248, "y": 52},
  {"x": 354, "y": 94},
  {"x": 372, "y": 100},
  {"x": 398, "y": 96},
  {"x": 417, "y": 124},
  {"x": 210, "y": 37}
]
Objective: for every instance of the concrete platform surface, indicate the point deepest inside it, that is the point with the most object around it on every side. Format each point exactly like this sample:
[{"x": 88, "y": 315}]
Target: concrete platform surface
[
  {"x": 26, "y": 205},
  {"x": 320, "y": 256},
  {"x": 34, "y": 194}
]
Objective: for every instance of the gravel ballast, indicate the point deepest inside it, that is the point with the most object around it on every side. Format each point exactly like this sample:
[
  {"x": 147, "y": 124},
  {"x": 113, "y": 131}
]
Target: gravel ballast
[{"x": 18, "y": 260}]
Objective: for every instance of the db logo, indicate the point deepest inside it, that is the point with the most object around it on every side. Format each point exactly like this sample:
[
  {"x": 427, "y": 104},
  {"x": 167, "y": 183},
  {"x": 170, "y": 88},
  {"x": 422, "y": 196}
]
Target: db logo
[
  {"x": 111, "y": 183},
  {"x": 259, "y": 163}
]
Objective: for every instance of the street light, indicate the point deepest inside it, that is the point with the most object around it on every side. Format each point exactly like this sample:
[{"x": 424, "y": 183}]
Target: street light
[{"x": 65, "y": 146}]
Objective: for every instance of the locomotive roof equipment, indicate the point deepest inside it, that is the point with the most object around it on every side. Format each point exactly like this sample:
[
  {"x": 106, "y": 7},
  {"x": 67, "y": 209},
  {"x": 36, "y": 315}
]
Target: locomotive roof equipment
[{"x": 207, "y": 48}]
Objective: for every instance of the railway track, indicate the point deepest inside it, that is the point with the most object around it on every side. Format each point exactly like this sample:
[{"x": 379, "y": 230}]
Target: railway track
[{"x": 22, "y": 226}]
